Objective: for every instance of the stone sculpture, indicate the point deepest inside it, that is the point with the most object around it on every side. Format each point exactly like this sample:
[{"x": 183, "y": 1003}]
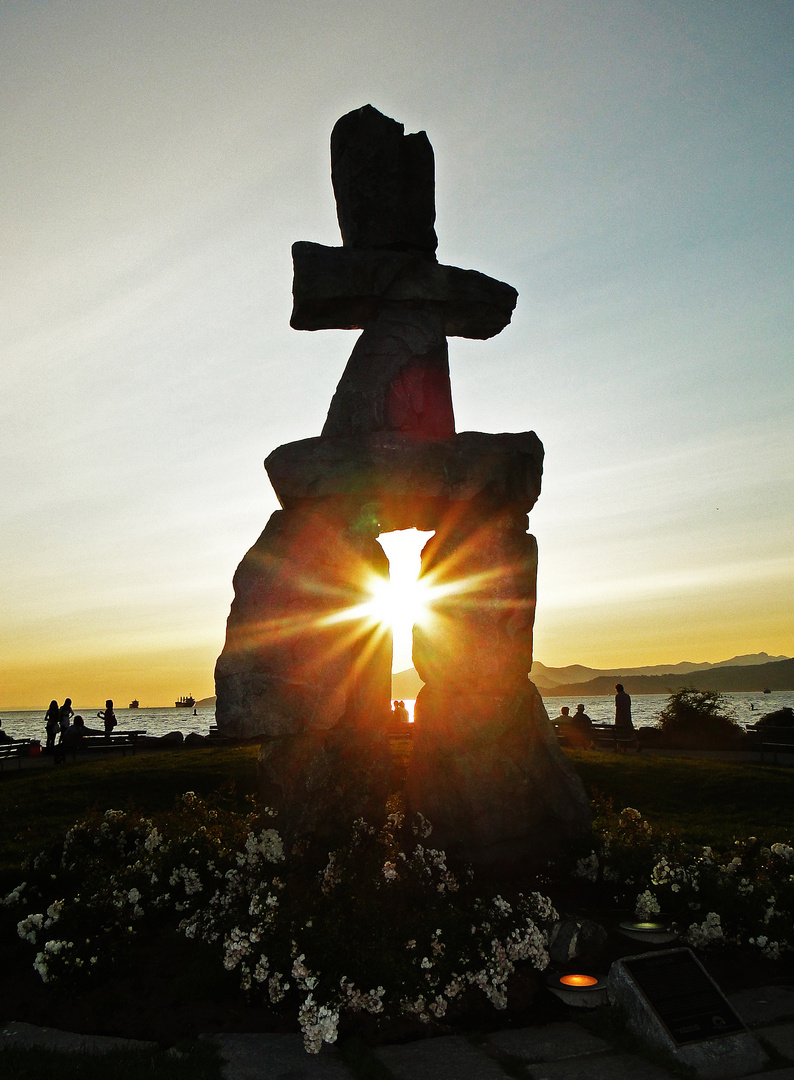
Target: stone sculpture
[{"x": 299, "y": 669}]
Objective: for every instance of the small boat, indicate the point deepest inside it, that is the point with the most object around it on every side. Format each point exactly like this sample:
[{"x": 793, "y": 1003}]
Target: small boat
[
  {"x": 767, "y": 690},
  {"x": 133, "y": 704},
  {"x": 185, "y": 702}
]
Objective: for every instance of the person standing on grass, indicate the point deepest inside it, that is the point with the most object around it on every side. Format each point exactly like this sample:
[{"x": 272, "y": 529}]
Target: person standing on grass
[
  {"x": 623, "y": 710},
  {"x": 624, "y": 728},
  {"x": 52, "y": 723},
  {"x": 65, "y": 714},
  {"x": 108, "y": 717}
]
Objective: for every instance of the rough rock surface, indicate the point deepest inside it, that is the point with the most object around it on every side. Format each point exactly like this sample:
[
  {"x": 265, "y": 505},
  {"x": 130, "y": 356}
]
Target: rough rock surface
[
  {"x": 343, "y": 289},
  {"x": 384, "y": 183},
  {"x": 322, "y": 781},
  {"x": 289, "y": 664},
  {"x": 486, "y": 770},
  {"x": 732, "y": 1055},
  {"x": 406, "y": 482}
]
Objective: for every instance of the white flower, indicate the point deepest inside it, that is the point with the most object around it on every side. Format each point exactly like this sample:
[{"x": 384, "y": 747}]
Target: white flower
[
  {"x": 587, "y": 868},
  {"x": 646, "y": 905},
  {"x": 13, "y": 897},
  {"x": 709, "y": 931}
]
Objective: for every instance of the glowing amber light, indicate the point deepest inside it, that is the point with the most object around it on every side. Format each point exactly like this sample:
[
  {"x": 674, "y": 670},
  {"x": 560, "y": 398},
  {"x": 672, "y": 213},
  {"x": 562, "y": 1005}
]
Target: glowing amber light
[{"x": 578, "y": 980}]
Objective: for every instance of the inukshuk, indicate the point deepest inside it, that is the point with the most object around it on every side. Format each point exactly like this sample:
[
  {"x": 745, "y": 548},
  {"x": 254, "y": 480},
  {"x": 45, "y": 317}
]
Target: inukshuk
[{"x": 300, "y": 668}]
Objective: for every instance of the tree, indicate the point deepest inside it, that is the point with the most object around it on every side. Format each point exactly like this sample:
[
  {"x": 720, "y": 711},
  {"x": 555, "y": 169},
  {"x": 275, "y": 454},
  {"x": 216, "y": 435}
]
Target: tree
[{"x": 697, "y": 720}]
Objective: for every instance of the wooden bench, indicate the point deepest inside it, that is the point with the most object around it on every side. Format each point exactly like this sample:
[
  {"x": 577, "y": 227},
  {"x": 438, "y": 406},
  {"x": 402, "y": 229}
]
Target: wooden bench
[
  {"x": 606, "y": 737},
  {"x": 100, "y": 744},
  {"x": 16, "y": 750},
  {"x": 771, "y": 740}
]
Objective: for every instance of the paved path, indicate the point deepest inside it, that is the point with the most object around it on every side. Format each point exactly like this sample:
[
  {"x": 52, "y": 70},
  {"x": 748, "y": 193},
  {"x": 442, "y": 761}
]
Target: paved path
[{"x": 559, "y": 1051}]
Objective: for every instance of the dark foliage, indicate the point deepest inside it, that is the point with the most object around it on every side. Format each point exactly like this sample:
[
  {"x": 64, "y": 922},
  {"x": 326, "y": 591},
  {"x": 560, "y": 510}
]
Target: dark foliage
[{"x": 696, "y": 720}]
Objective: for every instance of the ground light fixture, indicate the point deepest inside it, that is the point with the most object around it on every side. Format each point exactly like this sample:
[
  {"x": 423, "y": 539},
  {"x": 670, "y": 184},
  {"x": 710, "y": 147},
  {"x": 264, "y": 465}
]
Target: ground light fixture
[
  {"x": 650, "y": 931},
  {"x": 578, "y": 988}
]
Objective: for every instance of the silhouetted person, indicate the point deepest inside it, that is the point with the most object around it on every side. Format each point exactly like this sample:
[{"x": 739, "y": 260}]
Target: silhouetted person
[
  {"x": 65, "y": 714},
  {"x": 74, "y": 735},
  {"x": 52, "y": 723},
  {"x": 4, "y": 736},
  {"x": 624, "y": 728},
  {"x": 564, "y": 717},
  {"x": 581, "y": 731},
  {"x": 623, "y": 710},
  {"x": 108, "y": 717},
  {"x": 399, "y": 713},
  {"x": 71, "y": 738}
]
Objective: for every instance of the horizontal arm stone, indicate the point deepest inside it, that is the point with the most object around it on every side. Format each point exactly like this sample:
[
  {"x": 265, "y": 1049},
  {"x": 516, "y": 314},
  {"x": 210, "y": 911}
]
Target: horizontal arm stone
[
  {"x": 345, "y": 288},
  {"x": 393, "y": 472}
]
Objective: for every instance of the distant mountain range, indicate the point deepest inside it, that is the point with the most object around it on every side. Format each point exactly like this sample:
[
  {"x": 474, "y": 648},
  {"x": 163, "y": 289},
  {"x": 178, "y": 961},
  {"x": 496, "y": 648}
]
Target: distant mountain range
[
  {"x": 544, "y": 677},
  {"x": 750, "y": 672}
]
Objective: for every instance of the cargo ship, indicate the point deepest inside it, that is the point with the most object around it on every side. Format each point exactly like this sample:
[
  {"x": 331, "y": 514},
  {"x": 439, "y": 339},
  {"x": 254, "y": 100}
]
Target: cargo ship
[
  {"x": 133, "y": 704},
  {"x": 185, "y": 702}
]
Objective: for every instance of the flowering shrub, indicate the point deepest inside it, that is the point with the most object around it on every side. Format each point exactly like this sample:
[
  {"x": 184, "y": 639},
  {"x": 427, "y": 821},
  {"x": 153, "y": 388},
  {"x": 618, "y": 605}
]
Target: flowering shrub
[
  {"x": 381, "y": 924},
  {"x": 742, "y": 896}
]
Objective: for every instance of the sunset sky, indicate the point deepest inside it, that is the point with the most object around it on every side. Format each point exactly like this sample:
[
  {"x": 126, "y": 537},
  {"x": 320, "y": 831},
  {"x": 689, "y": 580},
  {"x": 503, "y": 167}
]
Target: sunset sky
[{"x": 626, "y": 166}]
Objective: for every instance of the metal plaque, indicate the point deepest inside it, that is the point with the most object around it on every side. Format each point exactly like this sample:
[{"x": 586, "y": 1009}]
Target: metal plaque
[{"x": 688, "y": 1003}]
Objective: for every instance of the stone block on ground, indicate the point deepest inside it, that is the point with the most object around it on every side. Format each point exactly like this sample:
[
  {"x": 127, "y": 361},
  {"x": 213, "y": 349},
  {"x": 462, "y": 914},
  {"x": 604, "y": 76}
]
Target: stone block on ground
[
  {"x": 599, "y": 1067},
  {"x": 449, "y": 1057},
  {"x": 276, "y": 1057},
  {"x": 554, "y": 1042},
  {"x": 763, "y": 1004},
  {"x": 786, "y": 1073},
  {"x": 17, "y": 1034},
  {"x": 780, "y": 1037}
]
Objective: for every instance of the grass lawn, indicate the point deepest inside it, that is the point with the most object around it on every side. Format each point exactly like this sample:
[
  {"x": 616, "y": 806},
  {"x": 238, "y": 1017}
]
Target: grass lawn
[{"x": 707, "y": 802}]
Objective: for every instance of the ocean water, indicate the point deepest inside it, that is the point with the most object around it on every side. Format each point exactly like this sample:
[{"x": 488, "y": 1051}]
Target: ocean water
[
  {"x": 29, "y": 724},
  {"x": 746, "y": 708}
]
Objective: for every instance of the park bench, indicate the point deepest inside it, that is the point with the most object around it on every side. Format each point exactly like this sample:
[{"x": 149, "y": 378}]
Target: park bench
[
  {"x": 101, "y": 744},
  {"x": 771, "y": 740},
  {"x": 16, "y": 750},
  {"x": 605, "y": 737}
]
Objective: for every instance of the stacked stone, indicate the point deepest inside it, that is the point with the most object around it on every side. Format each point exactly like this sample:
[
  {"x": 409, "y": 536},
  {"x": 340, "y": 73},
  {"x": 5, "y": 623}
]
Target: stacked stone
[{"x": 485, "y": 768}]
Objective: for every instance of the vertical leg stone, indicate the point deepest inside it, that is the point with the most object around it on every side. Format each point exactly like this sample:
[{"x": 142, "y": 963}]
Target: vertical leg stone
[
  {"x": 293, "y": 662},
  {"x": 486, "y": 768}
]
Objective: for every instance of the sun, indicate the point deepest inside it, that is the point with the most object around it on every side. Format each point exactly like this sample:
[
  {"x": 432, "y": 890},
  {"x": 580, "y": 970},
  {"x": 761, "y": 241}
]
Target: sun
[
  {"x": 403, "y": 599},
  {"x": 397, "y": 603}
]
